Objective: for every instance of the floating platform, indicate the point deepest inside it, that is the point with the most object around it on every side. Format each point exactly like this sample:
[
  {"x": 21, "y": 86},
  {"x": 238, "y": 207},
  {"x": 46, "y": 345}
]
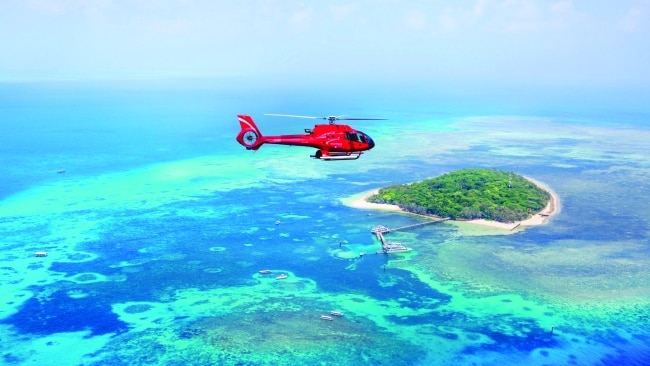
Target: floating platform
[{"x": 40, "y": 254}]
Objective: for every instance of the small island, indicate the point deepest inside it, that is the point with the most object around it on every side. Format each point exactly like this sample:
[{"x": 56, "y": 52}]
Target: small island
[{"x": 478, "y": 195}]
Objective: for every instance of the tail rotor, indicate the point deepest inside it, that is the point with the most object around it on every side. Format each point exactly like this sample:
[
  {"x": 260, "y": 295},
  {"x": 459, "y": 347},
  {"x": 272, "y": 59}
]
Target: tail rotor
[{"x": 249, "y": 136}]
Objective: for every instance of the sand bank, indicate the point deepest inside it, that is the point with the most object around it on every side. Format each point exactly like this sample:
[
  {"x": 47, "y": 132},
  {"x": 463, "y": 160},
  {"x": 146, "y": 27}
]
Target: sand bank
[{"x": 553, "y": 206}]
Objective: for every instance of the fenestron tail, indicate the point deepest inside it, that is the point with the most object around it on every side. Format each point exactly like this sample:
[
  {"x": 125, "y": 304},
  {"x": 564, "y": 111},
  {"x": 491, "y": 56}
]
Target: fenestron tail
[{"x": 250, "y": 136}]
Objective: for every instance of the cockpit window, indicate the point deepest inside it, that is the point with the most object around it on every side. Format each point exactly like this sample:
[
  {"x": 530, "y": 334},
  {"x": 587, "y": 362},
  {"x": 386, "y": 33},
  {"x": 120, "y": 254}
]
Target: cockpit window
[{"x": 355, "y": 136}]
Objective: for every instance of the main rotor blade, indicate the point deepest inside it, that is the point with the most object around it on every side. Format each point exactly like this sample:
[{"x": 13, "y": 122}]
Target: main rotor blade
[
  {"x": 330, "y": 118},
  {"x": 364, "y": 119},
  {"x": 291, "y": 115}
]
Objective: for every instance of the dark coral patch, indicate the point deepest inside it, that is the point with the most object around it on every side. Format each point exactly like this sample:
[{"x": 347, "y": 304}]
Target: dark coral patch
[{"x": 60, "y": 313}]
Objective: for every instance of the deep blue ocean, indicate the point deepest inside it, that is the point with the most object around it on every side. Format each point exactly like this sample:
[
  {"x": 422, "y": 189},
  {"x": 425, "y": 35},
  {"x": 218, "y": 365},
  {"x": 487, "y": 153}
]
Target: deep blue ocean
[{"x": 156, "y": 223}]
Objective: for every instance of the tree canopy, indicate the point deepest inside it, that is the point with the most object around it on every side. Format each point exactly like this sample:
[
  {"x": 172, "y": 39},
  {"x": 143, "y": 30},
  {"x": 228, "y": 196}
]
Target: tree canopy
[{"x": 476, "y": 193}]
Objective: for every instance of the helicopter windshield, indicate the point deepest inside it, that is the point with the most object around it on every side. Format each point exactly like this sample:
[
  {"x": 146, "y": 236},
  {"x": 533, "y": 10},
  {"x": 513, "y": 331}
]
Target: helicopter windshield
[{"x": 356, "y": 136}]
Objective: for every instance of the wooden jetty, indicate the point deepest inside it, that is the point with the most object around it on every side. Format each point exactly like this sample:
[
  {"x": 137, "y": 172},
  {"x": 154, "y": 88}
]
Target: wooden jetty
[{"x": 396, "y": 247}]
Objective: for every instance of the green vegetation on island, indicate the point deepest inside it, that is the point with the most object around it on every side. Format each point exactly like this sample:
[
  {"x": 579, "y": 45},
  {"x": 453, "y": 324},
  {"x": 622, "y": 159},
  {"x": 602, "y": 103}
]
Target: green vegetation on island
[{"x": 476, "y": 193}]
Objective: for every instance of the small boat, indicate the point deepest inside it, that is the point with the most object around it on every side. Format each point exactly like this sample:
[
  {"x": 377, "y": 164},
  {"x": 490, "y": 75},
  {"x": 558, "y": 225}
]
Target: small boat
[
  {"x": 336, "y": 313},
  {"x": 61, "y": 171},
  {"x": 395, "y": 247},
  {"x": 282, "y": 276},
  {"x": 326, "y": 317},
  {"x": 40, "y": 254},
  {"x": 398, "y": 249},
  {"x": 277, "y": 222},
  {"x": 265, "y": 271}
]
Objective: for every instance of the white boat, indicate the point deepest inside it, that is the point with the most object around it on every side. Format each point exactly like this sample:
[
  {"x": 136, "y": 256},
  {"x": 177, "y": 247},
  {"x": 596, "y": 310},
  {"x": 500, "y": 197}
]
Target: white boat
[
  {"x": 282, "y": 276},
  {"x": 395, "y": 247},
  {"x": 398, "y": 249},
  {"x": 336, "y": 313},
  {"x": 326, "y": 317},
  {"x": 265, "y": 271}
]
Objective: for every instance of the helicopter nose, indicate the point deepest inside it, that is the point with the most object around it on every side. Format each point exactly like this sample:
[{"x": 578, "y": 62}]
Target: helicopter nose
[{"x": 371, "y": 143}]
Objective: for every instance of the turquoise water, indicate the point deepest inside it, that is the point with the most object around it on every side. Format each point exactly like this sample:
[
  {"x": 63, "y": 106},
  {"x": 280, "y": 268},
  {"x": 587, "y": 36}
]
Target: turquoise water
[{"x": 157, "y": 229}]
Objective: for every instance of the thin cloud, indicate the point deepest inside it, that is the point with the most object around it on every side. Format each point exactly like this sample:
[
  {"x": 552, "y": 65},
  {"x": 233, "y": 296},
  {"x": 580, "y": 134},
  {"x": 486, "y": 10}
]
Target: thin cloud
[{"x": 633, "y": 21}]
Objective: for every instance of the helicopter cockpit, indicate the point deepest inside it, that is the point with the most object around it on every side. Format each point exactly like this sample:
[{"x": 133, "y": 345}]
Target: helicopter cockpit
[{"x": 358, "y": 136}]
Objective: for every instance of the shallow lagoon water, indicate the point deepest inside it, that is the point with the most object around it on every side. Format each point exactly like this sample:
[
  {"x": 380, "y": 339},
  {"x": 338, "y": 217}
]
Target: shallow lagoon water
[{"x": 154, "y": 259}]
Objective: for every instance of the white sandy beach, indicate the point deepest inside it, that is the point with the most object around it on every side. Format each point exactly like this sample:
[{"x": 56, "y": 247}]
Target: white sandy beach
[{"x": 359, "y": 201}]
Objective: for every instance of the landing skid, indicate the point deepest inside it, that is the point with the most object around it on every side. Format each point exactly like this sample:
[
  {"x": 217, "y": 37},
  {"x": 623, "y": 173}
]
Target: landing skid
[{"x": 337, "y": 155}]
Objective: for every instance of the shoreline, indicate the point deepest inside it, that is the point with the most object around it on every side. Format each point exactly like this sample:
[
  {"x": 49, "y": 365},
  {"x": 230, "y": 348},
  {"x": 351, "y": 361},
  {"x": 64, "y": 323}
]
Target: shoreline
[{"x": 540, "y": 218}]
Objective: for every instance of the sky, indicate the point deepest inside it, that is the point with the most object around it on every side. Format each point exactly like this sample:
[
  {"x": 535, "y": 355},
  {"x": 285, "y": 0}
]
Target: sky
[{"x": 596, "y": 43}]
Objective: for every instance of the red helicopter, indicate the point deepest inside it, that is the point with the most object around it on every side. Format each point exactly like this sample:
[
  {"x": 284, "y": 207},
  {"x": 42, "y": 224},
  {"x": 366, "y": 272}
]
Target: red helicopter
[{"x": 333, "y": 141}]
